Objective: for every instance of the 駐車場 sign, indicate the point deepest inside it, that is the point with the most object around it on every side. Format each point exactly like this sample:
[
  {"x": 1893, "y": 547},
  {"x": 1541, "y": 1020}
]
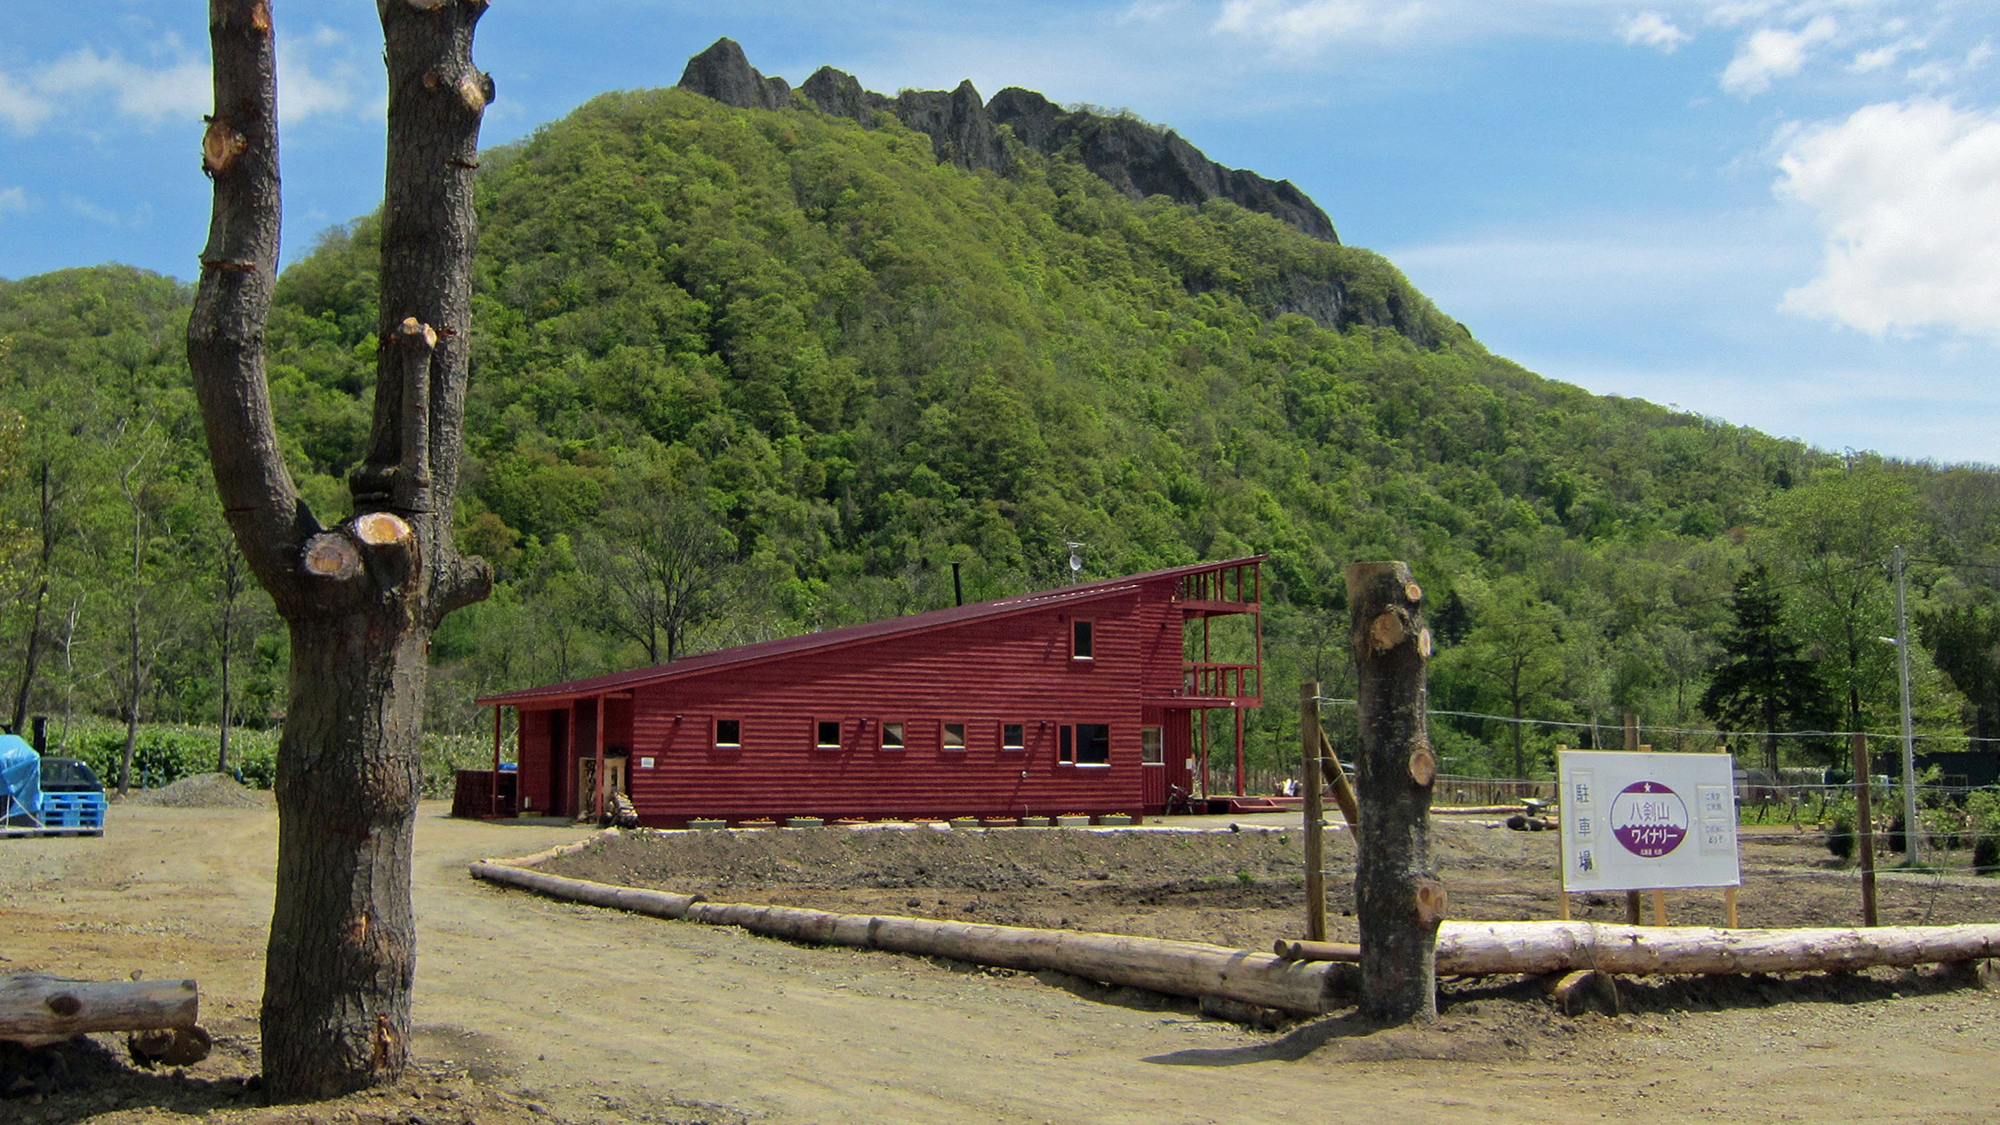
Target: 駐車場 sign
[{"x": 1639, "y": 821}]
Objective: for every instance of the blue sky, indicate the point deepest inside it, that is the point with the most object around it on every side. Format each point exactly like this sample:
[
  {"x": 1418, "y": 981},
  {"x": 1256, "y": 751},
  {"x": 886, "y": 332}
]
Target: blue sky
[{"x": 1784, "y": 214}]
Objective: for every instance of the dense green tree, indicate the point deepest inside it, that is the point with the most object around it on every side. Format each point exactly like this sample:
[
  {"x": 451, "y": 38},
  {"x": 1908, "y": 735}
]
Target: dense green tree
[
  {"x": 1763, "y": 682},
  {"x": 1833, "y": 537}
]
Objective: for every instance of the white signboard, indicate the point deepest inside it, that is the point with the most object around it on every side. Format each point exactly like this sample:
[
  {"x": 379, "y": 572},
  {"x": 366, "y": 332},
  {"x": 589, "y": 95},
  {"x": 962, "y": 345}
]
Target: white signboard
[{"x": 1634, "y": 822}]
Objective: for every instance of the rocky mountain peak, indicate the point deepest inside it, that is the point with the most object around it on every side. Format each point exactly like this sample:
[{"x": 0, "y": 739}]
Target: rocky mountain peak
[{"x": 1134, "y": 157}]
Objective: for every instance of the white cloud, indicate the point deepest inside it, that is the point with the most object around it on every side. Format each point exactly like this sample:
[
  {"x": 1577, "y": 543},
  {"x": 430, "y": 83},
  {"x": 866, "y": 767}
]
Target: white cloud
[
  {"x": 1146, "y": 11},
  {"x": 1772, "y": 53},
  {"x": 1305, "y": 26},
  {"x": 304, "y": 91},
  {"x": 20, "y": 107},
  {"x": 1651, "y": 29},
  {"x": 13, "y": 199},
  {"x": 1908, "y": 194},
  {"x": 1875, "y": 58},
  {"x": 180, "y": 90}
]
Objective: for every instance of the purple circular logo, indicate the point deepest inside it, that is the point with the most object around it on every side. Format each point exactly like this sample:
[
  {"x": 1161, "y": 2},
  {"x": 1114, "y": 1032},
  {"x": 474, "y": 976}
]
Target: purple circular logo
[{"x": 1649, "y": 819}]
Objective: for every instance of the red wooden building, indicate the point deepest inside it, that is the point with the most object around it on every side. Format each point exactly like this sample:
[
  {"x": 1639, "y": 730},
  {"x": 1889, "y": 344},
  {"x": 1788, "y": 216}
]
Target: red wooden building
[{"x": 1074, "y": 700}]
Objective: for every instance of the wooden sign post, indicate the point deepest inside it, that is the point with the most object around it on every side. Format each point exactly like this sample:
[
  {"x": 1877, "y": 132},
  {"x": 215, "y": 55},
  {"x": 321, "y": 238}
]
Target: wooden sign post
[{"x": 1309, "y": 743}]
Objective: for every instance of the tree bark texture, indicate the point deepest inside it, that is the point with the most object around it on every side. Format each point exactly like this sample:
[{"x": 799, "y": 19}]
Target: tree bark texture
[
  {"x": 342, "y": 947},
  {"x": 1398, "y": 898}
]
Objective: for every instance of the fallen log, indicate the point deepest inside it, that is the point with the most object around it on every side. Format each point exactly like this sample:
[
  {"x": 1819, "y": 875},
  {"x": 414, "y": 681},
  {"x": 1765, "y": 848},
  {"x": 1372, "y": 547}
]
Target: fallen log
[
  {"x": 1483, "y": 948},
  {"x": 1178, "y": 968},
  {"x": 657, "y": 904},
  {"x": 1583, "y": 990},
  {"x": 1316, "y": 950},
  {"x": 37, "y": 1009}
]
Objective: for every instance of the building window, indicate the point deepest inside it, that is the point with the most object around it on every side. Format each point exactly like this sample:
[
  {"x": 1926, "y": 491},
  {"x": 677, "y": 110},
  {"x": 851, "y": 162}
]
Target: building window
[
  {"x": 1152, "y": 747},
  {"x": 828, "y": 737},
  {"x": 1066, "y": 745},
  {"x": 729, "y": 732},
  {"x": 892, "y": 736},
  {"x": 1080, "y": 640},
  {"x": 954, "y": 737},
  {"x": 1093, "y": 744},
  {"x": 1013, "y": 736}
]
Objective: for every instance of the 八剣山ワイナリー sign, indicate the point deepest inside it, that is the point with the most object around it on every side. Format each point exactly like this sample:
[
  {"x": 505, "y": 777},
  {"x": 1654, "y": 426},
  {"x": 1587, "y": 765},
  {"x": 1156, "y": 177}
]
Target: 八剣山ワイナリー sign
[{"x": 1640, "y": 821}]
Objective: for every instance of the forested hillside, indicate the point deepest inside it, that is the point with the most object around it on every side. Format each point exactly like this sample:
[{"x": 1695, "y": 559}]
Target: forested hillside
[{"x": 741, "y": 373}]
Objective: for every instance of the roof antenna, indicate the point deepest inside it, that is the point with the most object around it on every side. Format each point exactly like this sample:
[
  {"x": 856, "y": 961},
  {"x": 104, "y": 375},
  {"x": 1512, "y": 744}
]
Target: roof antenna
[{"x": 1075, "y": 561}]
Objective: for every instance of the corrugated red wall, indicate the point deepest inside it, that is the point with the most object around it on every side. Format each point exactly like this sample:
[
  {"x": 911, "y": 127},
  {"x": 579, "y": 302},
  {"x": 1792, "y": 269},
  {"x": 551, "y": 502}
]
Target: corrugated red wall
[{"x": 982, "y": 674}]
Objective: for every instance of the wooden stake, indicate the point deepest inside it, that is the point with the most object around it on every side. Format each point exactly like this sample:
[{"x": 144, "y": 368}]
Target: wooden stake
[
  {"x": 1343, "y": 791},
  {"x": 1632, "y": 908},
  {"x": 1659, "y": 907},
  {"x": 1864, "y": 827},
  {"x": 1310, "y": 736},
  {"x": 1729, "y": 905}
]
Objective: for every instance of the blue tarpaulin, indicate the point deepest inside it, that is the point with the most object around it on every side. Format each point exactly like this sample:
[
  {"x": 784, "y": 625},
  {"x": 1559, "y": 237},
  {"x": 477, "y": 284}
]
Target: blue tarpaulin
[{"x": 20, "y": 781}]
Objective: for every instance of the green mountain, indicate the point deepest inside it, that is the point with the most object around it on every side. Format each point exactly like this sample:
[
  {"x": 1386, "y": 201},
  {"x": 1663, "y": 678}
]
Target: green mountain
[{"x": 812, "y": 366}]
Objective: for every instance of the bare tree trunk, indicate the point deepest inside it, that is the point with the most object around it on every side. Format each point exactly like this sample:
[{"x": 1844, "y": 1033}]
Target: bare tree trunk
[
  {"x": 361, "y": 599},
  {"x": 46, "y": 559},
  {"x": 1398, "y": 898},
  {"x": 232, "y": 592},
  {"x": 132, "y": 675}
]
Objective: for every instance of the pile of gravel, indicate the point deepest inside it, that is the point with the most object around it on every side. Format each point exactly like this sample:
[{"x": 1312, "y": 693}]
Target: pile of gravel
[{"x": 204, "y": 791}]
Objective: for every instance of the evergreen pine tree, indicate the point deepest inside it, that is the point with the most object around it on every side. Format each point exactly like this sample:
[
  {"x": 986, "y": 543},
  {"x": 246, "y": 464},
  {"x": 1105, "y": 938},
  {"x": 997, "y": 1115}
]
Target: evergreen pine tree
[{"x": 1763, "y": 684}]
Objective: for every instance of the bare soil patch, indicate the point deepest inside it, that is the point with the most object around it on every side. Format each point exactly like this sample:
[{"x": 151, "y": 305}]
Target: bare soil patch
[
  {"x": 531, "y": 1011},
  {"x": 1235, "y": 888}
]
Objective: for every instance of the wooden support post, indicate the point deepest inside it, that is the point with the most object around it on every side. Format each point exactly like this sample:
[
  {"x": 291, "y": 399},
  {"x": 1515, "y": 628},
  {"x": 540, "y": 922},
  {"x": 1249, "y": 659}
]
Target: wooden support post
[
  {"x": 1309, "y": 744},
  {"x": 1201, "y": 738},
  {"x": 493, "y": 800},
  {"x": 1659, "y": 907},
  {"x": 1631, "y": 743},
  {"x": 1399, "y": 901},
  {"x": 1729, "y": 907},
  {"x": 1864, "y": 827},
  {"x": 1343, "y": 793},
  {"x": 597, "y": 732},
  {"x": 1238, "y": 712}
]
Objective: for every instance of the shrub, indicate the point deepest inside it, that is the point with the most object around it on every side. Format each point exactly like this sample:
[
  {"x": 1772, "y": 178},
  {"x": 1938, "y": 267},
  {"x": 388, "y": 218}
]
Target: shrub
[
  {"x": 1982, "y": 815},
  {"x": 1840, "y": 838}
]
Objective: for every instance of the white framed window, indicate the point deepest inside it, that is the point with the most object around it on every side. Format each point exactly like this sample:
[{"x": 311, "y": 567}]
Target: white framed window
[
  {"x": 826, "y": 734},
  {"x": 952, "y": 737},
  {"x": 892, "y": 736},
  {"x": 1152, "y": 747},
  {"x": 1082, "y": 640},
  {"x": 728, "y": 734},
  {"x": 1013, "y": 736}
]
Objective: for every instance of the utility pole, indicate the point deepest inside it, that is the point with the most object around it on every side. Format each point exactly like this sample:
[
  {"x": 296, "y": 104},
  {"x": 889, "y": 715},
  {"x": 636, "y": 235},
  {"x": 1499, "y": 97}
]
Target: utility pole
[{"x": 1912, "y": 833}]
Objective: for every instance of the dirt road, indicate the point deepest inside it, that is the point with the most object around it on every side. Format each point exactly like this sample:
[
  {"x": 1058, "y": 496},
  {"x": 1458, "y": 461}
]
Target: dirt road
[{"x": 607, "y": 1017}]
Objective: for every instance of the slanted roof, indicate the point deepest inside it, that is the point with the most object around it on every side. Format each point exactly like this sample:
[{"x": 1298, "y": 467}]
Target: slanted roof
[{"x": 850, "y": 635}]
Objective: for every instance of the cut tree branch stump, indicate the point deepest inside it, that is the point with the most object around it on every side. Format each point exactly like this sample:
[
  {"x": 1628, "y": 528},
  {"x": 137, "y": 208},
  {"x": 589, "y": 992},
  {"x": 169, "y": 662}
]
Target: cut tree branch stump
[{"x": 37, "y": 1009}]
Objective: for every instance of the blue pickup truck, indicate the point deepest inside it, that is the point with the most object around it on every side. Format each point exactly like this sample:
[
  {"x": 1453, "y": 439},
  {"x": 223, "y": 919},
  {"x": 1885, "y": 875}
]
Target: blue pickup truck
[{"x": 47, "y": 796}]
